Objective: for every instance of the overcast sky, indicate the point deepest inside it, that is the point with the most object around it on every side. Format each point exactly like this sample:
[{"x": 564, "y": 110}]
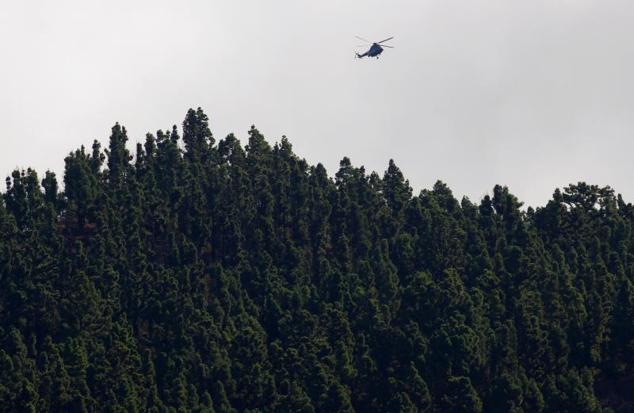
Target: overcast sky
[{"x": 530, "y": 94}]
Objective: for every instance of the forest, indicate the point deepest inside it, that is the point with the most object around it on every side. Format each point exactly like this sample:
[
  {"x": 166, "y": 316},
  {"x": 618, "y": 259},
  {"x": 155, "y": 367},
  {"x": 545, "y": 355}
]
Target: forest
[{"x": 191, "y": 274}]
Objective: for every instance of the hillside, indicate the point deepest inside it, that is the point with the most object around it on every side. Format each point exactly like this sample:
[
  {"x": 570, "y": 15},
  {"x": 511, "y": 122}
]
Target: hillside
[{"x": 206, "y": 276}]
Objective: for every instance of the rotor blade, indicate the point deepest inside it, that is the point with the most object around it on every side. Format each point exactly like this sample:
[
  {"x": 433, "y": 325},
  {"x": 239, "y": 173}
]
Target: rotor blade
[
  {"x": 389, "y": 38},
  {"x": 384, "y": 45},
  {"x": 361, "y": 38}
]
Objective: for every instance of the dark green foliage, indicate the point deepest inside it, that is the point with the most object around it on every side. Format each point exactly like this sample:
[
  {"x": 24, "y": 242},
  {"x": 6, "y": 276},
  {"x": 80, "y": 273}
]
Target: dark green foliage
[{"x": 206, "y": 276}]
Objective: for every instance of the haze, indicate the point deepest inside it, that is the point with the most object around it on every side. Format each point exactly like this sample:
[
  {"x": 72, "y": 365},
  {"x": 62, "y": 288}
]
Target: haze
[{"x": 533, "y": 95}]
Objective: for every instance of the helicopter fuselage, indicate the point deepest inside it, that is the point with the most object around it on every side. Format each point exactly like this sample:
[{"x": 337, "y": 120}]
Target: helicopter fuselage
[{"x": 374, "y": 51}]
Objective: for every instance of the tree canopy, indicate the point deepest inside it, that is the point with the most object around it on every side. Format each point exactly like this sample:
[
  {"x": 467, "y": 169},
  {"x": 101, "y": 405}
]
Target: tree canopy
[{"x": 199, "y": 275}]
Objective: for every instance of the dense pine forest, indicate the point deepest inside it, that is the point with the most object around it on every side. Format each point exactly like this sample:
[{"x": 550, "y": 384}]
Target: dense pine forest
[{"x": 199, "y": 275}]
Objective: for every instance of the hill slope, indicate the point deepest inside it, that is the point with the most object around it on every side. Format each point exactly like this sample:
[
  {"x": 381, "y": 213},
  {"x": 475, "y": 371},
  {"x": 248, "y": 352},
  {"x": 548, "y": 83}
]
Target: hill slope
[{"x": 207, "y": 276}]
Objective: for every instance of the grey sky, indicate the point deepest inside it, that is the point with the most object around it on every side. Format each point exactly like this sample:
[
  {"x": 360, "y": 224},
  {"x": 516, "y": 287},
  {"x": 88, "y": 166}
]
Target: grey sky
[{"x": 530, "y": 94}]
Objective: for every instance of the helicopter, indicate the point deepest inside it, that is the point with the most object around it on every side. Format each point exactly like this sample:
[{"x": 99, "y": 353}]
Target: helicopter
[{"x": 375, "y": 49}]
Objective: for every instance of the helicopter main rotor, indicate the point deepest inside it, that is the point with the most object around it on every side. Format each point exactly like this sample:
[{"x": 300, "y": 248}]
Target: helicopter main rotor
[{"x": 367, "y": 42}]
